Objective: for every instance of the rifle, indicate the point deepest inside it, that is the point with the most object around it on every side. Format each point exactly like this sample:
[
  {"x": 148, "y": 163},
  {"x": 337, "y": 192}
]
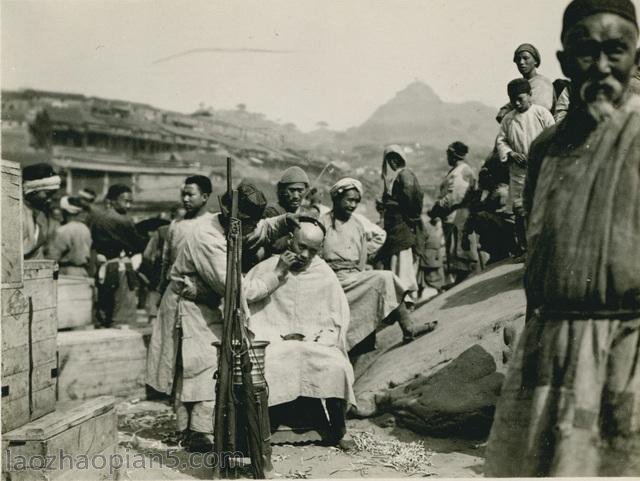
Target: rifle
[{"x": 233, "y": 429}]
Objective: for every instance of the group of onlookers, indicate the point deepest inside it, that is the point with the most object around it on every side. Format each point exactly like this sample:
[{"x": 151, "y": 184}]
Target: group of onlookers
[{"x": 319, "y": 281}]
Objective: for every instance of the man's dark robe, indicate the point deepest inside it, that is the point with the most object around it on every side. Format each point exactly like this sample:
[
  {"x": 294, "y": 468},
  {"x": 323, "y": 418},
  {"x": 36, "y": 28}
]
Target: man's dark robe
[
  {"x": 402, "y": 209},
  {"x": 570, "y": 405},
  {"x": 112, "y": 234}
]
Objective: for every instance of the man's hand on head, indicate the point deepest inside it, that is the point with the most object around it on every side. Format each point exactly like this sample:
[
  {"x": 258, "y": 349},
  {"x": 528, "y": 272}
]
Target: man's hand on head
[
  {"x": 287, "y": 258},
  {"x": 292, "y": 221}
]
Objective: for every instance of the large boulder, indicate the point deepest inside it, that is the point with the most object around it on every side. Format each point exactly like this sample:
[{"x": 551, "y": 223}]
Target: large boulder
[{"x": 452, "y": 375}]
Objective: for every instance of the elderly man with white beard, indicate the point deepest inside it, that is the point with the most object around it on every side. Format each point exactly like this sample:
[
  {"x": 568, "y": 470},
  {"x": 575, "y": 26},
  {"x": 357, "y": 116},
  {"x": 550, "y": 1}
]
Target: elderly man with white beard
[{"x": 570, "y": 404}]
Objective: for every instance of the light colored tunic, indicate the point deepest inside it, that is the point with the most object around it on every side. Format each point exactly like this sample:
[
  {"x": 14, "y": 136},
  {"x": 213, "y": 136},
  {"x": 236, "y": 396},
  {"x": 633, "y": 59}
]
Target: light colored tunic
[
  {"x": 178, "y": 231},
  {"x": 372, "y": 294},
  {"x": 517, "y": 132},
  {"x": 542, "y": 91},
  {"x": 203, "y": 261},
  {"x": 317, "y": 366},
  {"x": 71, "y": 247}
]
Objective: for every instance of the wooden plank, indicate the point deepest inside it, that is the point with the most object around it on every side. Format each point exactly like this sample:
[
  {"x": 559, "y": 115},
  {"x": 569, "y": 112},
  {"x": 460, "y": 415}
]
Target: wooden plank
[
  {"x": 89, "y": 437},
  {"x": 98, "y": 336},
  {"x": 14, "y": 302},
  {"x": 93, "y": 436},
  {"x": 65, "y": 474},
  {"x": 15, "y": 413},
  {"x": 99, "y": 474},
  {"x": 38, "y": 283},
  {"x": 15, "y": 386},
  {"x": 101, "y": 345},
  {"x": 44, "y": 324},
  {"x": 39, "y": 269},
  {"x": 67, "y": 416},
  {"x": 83, "y": 356},
  {"x": 43, "y": 292},
  {"x": 43, "y": 295},
  {"x": 11, "y": 224},
  {"x": 16, "y": 410},
  {"x": 44, "y": 375},
  {"x": 43, "y": 402},
  {"x": 16, "y": 359},
  {"x": 15, "y": 329},
  {"x": 87, "y": 380}
]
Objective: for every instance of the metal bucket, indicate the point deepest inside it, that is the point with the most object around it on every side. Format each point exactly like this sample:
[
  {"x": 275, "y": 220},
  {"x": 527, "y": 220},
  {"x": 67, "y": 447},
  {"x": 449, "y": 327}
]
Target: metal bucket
[{"x": 257, "y": 352}]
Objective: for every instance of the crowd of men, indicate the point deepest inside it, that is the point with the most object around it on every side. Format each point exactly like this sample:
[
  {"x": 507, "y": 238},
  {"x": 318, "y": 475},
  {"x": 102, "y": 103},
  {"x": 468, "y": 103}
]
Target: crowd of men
[{"x": 561, "y": 187}]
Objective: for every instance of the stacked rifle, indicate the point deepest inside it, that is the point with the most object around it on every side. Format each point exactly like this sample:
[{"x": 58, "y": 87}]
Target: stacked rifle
[{"x": 241, "y": 416}]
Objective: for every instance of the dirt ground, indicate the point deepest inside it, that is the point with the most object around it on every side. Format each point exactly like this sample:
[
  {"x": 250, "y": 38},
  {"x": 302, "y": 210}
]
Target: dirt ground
[{"x": 146, "y": 438}]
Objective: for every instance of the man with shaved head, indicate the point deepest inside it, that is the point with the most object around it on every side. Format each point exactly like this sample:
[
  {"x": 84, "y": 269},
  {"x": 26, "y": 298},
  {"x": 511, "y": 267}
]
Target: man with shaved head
[
  {"x": 181, "y": 359},
  {"x": 306, "y": 321},
  {"x": 570, "y": 405}
]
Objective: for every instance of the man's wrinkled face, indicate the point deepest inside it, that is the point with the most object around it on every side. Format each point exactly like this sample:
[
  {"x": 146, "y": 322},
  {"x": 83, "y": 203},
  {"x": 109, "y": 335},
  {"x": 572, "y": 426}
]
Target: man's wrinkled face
[
  {"x": 123, "y": 203},
  {"x": 526, "y": 63},
  {"x": 306, "y": 243},
  {"x": 290, "y": 195},
  {"x": 521, "y": 102},
  {"x": 346, "y": 203},
  {"x": 600, "y": 57},
  {"x": 192, "y": 199}
]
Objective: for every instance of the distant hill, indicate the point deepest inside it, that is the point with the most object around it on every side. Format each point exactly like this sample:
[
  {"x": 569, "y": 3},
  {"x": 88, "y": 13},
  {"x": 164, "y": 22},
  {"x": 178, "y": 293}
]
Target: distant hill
[{"x": 417, "y": 114}]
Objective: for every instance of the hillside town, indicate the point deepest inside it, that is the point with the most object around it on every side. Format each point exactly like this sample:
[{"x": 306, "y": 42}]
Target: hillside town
[{"x": 217, "y": 295}]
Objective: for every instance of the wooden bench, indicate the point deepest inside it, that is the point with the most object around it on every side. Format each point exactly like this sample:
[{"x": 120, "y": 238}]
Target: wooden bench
[{"x": 59, "y": 445}]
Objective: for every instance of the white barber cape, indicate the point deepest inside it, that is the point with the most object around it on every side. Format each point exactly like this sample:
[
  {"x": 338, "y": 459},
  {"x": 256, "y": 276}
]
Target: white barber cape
[{"x": 311, "y": 303}]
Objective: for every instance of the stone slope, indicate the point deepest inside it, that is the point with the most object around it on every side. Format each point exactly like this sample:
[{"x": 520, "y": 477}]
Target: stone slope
[{"x": 421, "y": 383}]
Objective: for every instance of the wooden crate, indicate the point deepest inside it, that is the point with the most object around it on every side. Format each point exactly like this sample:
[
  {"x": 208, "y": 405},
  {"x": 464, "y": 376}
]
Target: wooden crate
[
  {"x": 63, "y": 438},
  {"x": 11, "y": 224},
  {"x": 101, "y": 362},
  {"x": 29, "y": 359},
  {"x": 75, "y": 301}
]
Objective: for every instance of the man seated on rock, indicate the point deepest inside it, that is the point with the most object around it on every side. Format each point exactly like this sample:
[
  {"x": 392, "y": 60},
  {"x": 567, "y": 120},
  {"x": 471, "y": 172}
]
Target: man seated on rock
[
  {"x": 374, "y": 295},
  {"x": 306, "y": 321}
]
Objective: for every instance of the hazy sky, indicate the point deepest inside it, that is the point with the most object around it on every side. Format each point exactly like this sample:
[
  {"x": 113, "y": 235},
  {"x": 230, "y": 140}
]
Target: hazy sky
[{"x": 298, "y": 61}]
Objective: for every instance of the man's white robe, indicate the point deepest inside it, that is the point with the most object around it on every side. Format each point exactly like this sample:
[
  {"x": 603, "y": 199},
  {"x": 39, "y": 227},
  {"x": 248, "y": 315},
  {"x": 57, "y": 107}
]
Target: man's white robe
[{"x": 312, "y": 303}]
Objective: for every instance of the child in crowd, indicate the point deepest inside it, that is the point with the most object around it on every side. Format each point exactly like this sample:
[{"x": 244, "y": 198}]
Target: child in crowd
[{"x": 518, "y": 129}]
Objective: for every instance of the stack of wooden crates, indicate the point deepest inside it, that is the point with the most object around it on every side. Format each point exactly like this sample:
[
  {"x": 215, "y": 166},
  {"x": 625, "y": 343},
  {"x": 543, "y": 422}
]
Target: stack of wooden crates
[
  {"x": 32, "y": 424},
  {"x": 29, "y": 319},
  {"x": 29, "y": 328}
]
